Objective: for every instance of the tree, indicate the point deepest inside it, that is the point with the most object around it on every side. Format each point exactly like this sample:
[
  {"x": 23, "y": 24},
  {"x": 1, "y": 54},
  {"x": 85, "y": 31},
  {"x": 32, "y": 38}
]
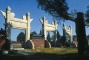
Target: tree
[
  {"x": 81, "y": 33},
  {"x": 21, "y": 37},
  {"x": 4, "y": 42},
  {"x": 32, "y": 34},
  {"x": 48, "y": 37},
  {"x": 58, "y": 35},
  {"x": 63, "y": 41},
  {"x": 52, "y": 37},
  {"x": 59, "y": 9},
  {"x": 40, "y": 32},
  {"x": 88, "y": 37},
  {"x": 87, "y": 15}
]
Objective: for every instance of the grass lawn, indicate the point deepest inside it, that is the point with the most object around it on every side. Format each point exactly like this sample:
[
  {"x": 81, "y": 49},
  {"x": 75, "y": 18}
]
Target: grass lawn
[
  {"x": 47, "y": 54},
  {"x": 57, "y": 51}
]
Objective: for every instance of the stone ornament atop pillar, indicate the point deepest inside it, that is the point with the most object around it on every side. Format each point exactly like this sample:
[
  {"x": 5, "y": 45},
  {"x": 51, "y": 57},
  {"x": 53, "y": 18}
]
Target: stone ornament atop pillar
[{"x": 8, "y": 8}]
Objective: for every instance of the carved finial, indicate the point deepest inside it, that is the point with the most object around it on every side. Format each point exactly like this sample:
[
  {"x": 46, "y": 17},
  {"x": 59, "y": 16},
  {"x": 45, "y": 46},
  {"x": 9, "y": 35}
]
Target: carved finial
[
  {"x": 54, "y": 21},
  {"x": 12, "y": 15},
  {"x": 24, "y": 17},
  {"x": 70, "y": 27},
  {"x": 8, "y": 8},
  {"x": 43, "y": 18},
  {"x": 3, "y": 13},
  {"x": 28, "y": 13}
]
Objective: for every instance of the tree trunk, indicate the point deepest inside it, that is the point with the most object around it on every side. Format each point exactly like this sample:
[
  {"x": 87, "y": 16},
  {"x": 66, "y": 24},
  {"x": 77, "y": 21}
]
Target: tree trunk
[{"x": 81, "y": 33}]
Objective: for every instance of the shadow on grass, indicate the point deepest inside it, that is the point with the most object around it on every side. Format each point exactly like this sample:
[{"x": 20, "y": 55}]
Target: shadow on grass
[{"x": 42, "y": 56}]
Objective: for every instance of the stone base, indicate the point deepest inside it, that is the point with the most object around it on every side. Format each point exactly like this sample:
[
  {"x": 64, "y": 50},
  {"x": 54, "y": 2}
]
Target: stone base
[
  {"x": 17, "y": 48},
  {"x": 47, "y": 44},
  {"x": 29, "y": 44},
  {"x": 38, "y": 43},
  {"x": 5, "y": 52}
]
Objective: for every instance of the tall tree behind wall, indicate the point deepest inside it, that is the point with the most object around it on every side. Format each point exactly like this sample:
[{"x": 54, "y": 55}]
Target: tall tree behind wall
[
  {"x": 58, "y": 35},
  {"x": 21, "y": 37},
  {"x": 56, "y": 8},
  {"x": 32, "y": 34},
  {"x": 40, "y": 32},
  {"x": 48, "y": 37}
]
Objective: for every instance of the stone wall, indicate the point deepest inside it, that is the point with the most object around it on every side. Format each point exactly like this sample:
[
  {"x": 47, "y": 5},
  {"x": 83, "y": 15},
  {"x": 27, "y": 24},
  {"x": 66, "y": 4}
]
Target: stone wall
[
  {"x": 38, "y": 43},
  {"x": 16, "y": 45},
  {"x": 2, "y": 42}
]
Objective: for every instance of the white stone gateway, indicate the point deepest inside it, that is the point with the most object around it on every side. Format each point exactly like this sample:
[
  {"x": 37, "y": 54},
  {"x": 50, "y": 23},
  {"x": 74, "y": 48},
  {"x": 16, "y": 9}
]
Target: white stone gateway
[
  {"x": 17, "y": 23},
  {"x": 67, "y": 32},
  {"x": 48, "y": 27}
]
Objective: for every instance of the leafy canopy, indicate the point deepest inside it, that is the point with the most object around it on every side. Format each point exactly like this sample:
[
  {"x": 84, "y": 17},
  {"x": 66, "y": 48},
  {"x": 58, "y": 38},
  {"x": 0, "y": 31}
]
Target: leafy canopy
[
  {"x": 21, "y": 37},
  {"x": 56, "y": 8}
]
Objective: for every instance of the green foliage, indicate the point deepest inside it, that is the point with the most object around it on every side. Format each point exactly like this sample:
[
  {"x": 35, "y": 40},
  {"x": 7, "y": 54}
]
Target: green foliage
[
  {"x": 58, "y": 35},
  {"x": 32, "y": 34},
  {"x": 52, "y": 37},
  {"x": 63, "y": 41},
  {"x": 40, "y": 32},
  {"x": 74, "y": 36},
  {"x": 88, "y": 37},
  {"x": 56, "y": 8},
  {"x": 48, "y": 37},
  {"x": 87, "y": 15},
  {"x": 54, "y": 50},
  {"x": 21, "y": 37},
  {"x": 2, "y": 34}
]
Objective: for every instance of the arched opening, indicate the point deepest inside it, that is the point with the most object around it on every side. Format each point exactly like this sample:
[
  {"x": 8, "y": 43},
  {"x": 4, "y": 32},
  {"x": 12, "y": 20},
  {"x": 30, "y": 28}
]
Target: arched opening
[
  {"x": 17, "y": 38},
  {"x": 15, "y": 33}
]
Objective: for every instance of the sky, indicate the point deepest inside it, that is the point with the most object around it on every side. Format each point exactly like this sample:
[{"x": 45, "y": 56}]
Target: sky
[{"x": 21, "y": 7}]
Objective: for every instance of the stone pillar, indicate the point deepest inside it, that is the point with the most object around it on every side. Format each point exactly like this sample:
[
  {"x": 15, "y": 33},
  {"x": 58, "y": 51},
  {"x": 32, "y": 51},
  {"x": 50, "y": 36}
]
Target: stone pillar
[
  {"x": 71, "y": 37},
  {"x": 55, "y": 33},
  {"x": 28, "y": 43},
  {"x": 44, "y": 28},
  {"x": 28, "y": 27},
  {"x": 8, "y": 15},
  {"x": 7, "y": 28}
]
